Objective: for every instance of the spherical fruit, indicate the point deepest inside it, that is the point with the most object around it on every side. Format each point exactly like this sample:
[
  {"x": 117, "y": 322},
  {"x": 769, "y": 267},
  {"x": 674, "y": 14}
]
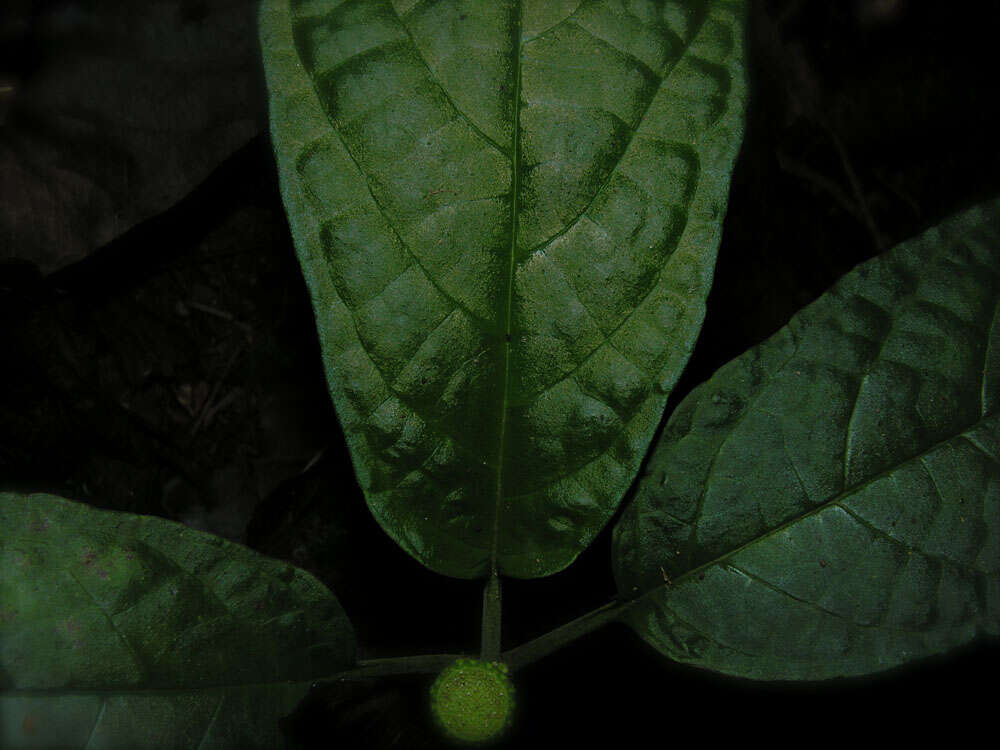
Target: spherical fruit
[{"x": 473, "y": 700}]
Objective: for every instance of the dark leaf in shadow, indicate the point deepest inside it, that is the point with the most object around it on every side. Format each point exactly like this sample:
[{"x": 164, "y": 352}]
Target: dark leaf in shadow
[{"x": 113, "y": 111}]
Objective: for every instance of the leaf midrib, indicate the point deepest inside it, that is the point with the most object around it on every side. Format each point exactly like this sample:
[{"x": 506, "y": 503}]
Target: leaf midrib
[
  {"x": 515, "y": 157},
  {"x": 508, "y": 304},
  {"x": 837, "y": 499},
  {"x": 834, "y": 501},
  {"x": 515, "y": 160},
  {"x": 125, "y": 690}
]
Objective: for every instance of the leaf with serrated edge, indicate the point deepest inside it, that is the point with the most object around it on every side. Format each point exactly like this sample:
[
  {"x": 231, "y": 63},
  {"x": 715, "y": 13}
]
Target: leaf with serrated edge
[
  {"x": 119, "y": 630},
  {"x": 828, "y": 503},
  {"x": 507, "y": 214}
]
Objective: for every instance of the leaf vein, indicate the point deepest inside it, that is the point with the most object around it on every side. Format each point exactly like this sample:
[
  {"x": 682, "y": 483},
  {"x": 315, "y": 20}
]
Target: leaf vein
[
  {"x": 834, "y": 501},
  {"x": 433, "y": 76},
  {"x": 211, "y": 722},
  {"x": 700, "y": 506},
  {"x": 114, "y": 628},
  {"x": 97, "y": 721},
  {"x": 633, "y": 130},
  {"x": 883, "y": 534},
  {"x": 986, "y": 355},
  {"x": 820, "y": 608}
]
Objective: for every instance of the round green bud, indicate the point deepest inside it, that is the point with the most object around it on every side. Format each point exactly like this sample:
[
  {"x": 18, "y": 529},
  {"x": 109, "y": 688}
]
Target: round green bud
[{"x": 473, "y": 700}]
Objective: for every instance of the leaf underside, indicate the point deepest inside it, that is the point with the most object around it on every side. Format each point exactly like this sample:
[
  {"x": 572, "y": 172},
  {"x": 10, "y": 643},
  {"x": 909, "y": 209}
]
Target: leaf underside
[
  {"x": 828, "y": 503},
  {"x": 507, "y": 214},
  {"x": 118, "y": 630}
]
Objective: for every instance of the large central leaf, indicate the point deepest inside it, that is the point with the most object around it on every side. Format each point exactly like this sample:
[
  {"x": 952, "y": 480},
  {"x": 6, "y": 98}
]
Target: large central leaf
[{"x": 508, "y": 214}]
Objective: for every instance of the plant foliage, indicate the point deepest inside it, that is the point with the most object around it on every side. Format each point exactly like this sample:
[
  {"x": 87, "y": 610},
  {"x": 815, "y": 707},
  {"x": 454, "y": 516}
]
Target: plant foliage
[
  {"x": 829, "y": 502},
  {"x": 120, "y": 630},
  {"x": 508, "y": 215}
]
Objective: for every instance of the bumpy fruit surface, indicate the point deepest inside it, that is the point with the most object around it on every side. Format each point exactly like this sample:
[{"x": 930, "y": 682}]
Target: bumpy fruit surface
[{"x": 473, "y": 700}]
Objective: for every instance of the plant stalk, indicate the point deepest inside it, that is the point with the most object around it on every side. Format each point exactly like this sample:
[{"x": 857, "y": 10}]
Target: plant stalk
[
  {"x": 544, "y": 645},
  {"x": 490, "y": 644},
  {"x": 515, "y": 658},
  {"x": 369, "y": 668}
]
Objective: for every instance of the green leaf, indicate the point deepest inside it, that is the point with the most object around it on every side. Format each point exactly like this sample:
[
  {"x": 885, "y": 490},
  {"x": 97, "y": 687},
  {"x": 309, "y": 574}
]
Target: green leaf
[
  {"x": 122, "y": 109},
  {"x": 119, "y": 630},
  {"x": 828, "y": 503},
  {"x": 507, "y": 214}
]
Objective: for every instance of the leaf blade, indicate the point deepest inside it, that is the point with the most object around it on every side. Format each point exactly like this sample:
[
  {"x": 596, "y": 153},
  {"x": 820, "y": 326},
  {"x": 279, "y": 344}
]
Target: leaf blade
[
  {"x": 832, "y": 493},
  {"x": 473, "y": 304},
  {"x": 130, "y": 110},
  {"x": 131, "y": 630}
]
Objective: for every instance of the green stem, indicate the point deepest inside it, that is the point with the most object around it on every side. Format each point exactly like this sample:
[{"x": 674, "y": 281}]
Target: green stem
[
  {"x": 544, "y": 645},
  {"x": 490, "y": 644},
  {"x": 515, "y": 658},
  {"x": 367, "y": 668}
]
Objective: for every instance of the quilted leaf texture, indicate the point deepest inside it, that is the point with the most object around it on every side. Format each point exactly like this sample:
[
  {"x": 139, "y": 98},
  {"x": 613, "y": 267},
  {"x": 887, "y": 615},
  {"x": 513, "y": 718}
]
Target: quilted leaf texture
[
  {"x": 829, "y": 502},
  {"x": 507, "y": 213},
  {"x": 127, "y": 631}
]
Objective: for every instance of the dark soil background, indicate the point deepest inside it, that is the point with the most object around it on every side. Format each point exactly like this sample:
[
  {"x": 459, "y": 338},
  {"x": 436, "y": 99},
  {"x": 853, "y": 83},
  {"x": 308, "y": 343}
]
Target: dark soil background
[{"x": 176, "y": 372}]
